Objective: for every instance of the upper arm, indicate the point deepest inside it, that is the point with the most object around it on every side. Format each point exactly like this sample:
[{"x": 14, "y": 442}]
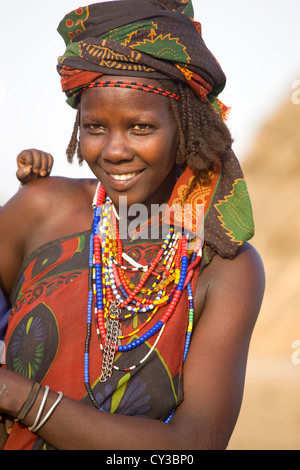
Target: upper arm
[
  {"x": 11, "y": 245},
  {"x": 215, "y": 367},
  {"x": 20, "y": 218}
]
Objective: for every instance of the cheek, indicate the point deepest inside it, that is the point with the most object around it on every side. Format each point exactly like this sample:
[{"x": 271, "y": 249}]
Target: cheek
[
  {"x": 89, "y": 147},
  {"x": 169, "y": 144},
  {"x": 161, "y": 159}
]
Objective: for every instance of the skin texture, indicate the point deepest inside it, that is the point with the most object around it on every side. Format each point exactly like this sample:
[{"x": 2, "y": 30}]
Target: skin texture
[{"x": 119, "y": 139}]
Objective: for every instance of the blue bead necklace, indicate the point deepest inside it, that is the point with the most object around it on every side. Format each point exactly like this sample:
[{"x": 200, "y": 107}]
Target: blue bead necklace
[{"x": 107, "y": 294}]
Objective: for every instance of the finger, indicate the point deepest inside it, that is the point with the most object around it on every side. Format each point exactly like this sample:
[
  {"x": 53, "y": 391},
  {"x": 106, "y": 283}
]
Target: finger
[
  {"x": 8, "y": 425},
  {"x": 43, "y": 164},
  {"x": 37, "y": 161},
  {"x": 22, "y": 172},
  {"x": 25, "y": 174},
  {"x": 25, "y": 158},
  {"x": 50, "y": 163},
  {"x": 46, "y": 164}
]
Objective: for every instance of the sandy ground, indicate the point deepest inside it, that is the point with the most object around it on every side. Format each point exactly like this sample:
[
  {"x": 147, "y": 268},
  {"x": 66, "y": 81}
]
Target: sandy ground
[{"x": 270, "y": 414}]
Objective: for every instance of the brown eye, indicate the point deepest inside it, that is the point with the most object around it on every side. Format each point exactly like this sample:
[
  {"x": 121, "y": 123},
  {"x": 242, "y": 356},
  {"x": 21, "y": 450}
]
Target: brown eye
[
  {"x": 95, "y": 128},
  {"x": 142, "y": 128}
]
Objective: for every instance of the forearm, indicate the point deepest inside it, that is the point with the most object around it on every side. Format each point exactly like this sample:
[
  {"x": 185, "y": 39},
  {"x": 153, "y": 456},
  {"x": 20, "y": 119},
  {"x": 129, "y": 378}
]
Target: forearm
[{"x": 73, "y": 425}]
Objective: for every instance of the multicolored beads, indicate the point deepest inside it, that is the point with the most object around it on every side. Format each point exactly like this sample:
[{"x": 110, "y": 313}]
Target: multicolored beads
[{"x": 110, "y": 293}]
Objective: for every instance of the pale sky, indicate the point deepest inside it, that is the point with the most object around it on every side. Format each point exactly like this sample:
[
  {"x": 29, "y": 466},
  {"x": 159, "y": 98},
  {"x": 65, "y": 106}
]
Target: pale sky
[{"x": 257, "y": 43}]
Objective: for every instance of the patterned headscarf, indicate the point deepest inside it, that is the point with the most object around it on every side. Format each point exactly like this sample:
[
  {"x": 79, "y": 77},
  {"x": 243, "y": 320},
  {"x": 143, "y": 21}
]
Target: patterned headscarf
[{"x": 144, "y": 38}]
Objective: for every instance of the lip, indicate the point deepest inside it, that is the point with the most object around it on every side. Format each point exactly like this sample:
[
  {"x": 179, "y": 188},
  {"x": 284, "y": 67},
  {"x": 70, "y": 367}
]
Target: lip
[{"x": 124, "y": 180}]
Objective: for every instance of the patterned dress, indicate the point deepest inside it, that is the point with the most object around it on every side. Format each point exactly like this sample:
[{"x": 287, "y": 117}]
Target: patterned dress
[{"x": 46, "y": 338}]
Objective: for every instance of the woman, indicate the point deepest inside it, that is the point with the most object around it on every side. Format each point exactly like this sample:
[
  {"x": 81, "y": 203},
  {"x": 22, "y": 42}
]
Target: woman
[{"x": 162, "y": 363}]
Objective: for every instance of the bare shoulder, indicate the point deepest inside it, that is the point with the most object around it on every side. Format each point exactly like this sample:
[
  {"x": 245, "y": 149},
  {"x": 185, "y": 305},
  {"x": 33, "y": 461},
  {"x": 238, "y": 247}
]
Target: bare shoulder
[
  {"x": 240, "y": 282},
  {"x": 52, "y": 195},
  {"x": 42, "y": 199},
  {"x": 246, "y": 266},
  {"x": 55, "y": 188},
  {"x": 43, "y": 210}
]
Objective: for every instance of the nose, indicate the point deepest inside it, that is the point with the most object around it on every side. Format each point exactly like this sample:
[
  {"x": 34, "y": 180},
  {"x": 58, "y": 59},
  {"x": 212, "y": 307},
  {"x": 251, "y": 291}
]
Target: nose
[{"x": 116, "y": 148}]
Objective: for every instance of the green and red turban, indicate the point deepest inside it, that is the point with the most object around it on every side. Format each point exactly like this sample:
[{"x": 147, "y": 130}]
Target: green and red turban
[{"x": 156, "y": 39}]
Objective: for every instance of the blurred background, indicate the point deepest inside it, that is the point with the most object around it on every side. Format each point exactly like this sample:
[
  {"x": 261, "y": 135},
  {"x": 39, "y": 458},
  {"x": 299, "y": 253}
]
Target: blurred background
[{"x": 257, "y": 43}]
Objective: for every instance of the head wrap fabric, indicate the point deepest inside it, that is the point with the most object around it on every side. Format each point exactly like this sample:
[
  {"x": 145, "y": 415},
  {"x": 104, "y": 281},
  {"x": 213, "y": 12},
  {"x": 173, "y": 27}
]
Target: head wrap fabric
[
  {"x": 227, "y": 211},
  {"x": 145, "y": 38}
]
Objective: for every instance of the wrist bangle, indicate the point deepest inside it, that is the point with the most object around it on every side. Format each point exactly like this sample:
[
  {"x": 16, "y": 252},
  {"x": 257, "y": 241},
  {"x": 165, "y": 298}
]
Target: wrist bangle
[
  {"x": 40, "y": 409},
  {"x": 28, "y": 402},
  {"x": 60, "y": 395}
]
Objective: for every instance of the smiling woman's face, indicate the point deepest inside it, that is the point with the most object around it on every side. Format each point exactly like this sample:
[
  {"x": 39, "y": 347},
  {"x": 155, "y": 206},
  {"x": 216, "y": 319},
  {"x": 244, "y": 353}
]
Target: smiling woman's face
[{"x": 129, "y": 140}]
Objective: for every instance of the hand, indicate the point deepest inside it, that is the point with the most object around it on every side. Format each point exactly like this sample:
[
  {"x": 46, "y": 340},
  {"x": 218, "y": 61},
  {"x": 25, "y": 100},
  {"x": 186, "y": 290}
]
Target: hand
[
  {"x": 6, "y": 422},
  {"x": 33, "y": 164}
]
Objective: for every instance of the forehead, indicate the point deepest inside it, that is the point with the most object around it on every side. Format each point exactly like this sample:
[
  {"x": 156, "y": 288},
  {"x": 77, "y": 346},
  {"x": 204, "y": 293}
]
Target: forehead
[{"x": 118, "y": 97}]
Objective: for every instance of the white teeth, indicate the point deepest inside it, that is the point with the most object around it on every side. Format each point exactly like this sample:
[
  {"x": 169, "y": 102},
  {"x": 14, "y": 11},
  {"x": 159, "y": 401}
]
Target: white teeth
[{"x": 128, "y": 176}]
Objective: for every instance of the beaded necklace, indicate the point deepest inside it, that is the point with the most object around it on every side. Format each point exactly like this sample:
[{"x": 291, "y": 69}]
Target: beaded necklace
[{"x": 110, "y": 292}]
